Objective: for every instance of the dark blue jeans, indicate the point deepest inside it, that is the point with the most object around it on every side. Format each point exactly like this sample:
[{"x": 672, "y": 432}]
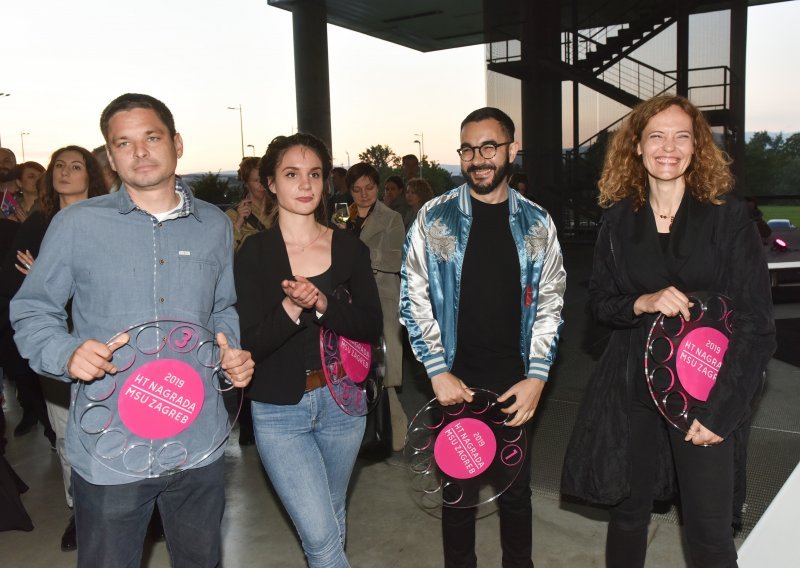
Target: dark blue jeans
[{"x": 111, "y": 520}]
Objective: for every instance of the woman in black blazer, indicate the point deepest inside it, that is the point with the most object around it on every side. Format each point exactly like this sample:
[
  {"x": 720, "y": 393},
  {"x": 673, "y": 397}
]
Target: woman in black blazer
[
  {"x": 286, "y": 277},
  {"x": 669, "y": 230}
]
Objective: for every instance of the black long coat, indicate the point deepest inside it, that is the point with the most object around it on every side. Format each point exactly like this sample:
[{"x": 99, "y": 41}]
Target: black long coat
[{"x": 712, "y": 248}]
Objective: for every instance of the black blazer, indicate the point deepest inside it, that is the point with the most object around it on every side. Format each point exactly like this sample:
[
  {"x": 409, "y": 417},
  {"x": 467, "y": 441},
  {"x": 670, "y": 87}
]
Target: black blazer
[
  {"x": 713, "y": 248},
  {"x": 268, "y": 332}
]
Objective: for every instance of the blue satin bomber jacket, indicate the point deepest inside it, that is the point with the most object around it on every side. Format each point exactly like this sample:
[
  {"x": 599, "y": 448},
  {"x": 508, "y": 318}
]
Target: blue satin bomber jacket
[{"x": 433, "y": 255}]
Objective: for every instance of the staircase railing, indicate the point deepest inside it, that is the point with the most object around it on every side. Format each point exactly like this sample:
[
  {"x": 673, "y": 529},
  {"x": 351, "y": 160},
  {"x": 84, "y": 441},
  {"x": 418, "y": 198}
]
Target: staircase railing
[{"x": 697, "y": 94}]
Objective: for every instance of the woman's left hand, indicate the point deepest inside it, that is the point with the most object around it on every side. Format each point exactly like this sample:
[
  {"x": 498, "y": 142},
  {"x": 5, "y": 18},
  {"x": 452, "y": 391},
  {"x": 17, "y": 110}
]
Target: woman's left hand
[
  {"x": 699, "y": 435},
  {"x": 19, "y": 215},
  {"x": 24, "y": 261},
  {"x": 320, "y": 303},
  {"x": 300, "y": 291}
]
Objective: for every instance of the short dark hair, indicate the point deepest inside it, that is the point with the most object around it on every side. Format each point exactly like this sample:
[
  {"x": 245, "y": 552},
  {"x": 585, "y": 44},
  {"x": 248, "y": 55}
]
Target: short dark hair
[
  {"x": 49, "y": 202},
  {"x": 131, "y": 101},
  {"x": 278, "y": 147},
  {"x": 360, "y": 170},
  {"x": 339, "y": 171},
  {"x": 487, "y": 113},
  {"x": 410, "y": 158},
  {"x": 397, "y": 180}
]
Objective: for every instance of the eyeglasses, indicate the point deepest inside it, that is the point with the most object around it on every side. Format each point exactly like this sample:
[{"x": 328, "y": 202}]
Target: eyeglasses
[{"x": 487, "y": 151}]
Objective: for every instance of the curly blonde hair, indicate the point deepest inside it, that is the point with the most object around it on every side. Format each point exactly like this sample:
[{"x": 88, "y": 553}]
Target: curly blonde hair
[{"x": 624, "y": 175}]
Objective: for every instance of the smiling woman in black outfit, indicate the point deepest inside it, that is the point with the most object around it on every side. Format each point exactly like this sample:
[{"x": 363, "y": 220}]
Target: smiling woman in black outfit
[{"x": 670, "y": 228}]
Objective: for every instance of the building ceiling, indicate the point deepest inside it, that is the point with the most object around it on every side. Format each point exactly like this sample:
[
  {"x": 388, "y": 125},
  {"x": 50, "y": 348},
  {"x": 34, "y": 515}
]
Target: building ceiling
[{"x": 431, "y": 25}]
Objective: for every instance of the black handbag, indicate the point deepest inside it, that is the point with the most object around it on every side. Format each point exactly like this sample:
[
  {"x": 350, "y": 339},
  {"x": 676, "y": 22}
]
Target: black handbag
[{"x": 377, "y": 441}]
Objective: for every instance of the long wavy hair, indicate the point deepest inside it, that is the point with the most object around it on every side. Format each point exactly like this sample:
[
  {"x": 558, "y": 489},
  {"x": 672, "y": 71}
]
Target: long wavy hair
[
  {"x": 49, "y": 202},
  {"x": 624, "y": 175}
]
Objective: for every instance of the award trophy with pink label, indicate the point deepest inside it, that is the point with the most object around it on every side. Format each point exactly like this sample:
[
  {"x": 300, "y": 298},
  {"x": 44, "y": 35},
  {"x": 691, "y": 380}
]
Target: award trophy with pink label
[
  {"x": 354, "y": 371},
  {"x": 462, "y": 455},
  {"x": 683, "y": 357},
  {"x": 168, "y": 407}
]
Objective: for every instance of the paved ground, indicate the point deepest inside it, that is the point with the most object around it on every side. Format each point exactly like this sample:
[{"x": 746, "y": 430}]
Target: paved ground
[{"x": 386, "y": 528}]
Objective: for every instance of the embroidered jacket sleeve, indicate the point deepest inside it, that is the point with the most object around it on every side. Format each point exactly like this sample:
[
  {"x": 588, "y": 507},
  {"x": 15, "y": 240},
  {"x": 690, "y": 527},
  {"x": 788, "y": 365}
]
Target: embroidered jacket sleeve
[
  {"x": 552, "y": 283},
  {"x": 416, "y": 310}
]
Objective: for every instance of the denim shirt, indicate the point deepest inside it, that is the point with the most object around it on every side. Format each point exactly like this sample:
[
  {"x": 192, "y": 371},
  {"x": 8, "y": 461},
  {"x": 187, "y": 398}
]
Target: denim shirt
[{"x": 121, "y": 267}]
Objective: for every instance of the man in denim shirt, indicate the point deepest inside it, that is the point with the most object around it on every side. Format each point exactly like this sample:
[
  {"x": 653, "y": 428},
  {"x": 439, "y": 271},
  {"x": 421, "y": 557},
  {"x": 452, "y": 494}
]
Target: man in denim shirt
[{"x": 150, "y": 251}]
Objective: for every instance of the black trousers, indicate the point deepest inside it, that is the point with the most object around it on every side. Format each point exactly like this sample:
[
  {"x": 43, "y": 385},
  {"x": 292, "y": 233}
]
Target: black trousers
[
  {"x": 516, "y": 525},
  {"x": 705, "y": 481}
]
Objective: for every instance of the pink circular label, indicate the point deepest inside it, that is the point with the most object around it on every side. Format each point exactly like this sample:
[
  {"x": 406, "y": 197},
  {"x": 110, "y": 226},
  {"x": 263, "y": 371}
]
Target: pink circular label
[
  {"x": 698, "y": 360},
  {"x": 356, "y": 358},
  {"x": 465, "y": 448},
  {"x": 161, "y": 399}
]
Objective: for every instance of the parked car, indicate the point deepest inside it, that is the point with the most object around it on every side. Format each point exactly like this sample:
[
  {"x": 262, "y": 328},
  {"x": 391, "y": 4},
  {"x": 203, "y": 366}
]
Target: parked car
[{"x": 780, "y": 224}]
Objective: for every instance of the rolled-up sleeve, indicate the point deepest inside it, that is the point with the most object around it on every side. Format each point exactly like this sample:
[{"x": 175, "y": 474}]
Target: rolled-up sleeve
[
  {"x": 37, "y": 311},
  {"x": 225, "y": 316}
]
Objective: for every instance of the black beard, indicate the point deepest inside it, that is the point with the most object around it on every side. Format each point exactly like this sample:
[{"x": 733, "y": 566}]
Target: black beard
[
  {"x": 500, "y": 175},
  {"x": 6, "y": 176}
]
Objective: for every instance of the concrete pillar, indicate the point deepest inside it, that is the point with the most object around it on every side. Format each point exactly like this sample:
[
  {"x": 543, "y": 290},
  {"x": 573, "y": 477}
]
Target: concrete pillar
[
  {"x": 309, "y": 26},
  {"x": 736, "y": 143},
  {"x": 682, "y": 55},
  {"x": 541, "y": 103}
]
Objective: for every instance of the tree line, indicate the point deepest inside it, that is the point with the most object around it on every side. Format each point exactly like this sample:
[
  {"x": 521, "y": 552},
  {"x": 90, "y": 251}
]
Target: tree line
[
  {"x": 387, "y": 163},
  {"x": 215, "y": 188},
  {"x": 772, "y": 165}
]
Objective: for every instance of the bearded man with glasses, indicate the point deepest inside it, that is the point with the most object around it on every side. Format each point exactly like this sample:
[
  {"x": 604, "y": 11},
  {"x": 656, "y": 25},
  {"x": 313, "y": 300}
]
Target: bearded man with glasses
[{"x": 482, "y": 287}]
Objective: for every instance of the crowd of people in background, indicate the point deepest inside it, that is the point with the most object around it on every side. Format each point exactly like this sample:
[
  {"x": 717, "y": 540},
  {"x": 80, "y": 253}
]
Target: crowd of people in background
[{"x": 376, "y": 212}]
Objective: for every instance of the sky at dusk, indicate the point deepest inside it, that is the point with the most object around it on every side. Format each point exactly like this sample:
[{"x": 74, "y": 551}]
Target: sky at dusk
[{"x": 63, "y": 62}]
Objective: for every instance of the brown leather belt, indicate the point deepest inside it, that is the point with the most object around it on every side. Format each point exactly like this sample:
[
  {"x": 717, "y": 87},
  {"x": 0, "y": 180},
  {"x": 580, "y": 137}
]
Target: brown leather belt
[{"x": 315, "y": 379}]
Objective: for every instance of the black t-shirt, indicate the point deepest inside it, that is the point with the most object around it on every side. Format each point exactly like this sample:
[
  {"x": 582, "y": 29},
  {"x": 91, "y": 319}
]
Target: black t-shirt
[{"x": 489, "y": 309}]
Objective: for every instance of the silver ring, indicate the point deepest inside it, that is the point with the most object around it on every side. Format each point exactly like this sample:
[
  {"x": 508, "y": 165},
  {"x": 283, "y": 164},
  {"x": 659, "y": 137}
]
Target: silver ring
[{"x": 26, "y": 265}]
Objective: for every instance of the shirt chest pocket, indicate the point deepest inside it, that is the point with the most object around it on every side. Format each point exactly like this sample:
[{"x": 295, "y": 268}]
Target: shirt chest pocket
[{"x": 194, "y": 283}]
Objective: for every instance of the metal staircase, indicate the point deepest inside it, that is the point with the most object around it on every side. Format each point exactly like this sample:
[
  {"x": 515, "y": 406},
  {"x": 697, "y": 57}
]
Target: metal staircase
[
  {"x": 602, "y": 48},
  {"x": 600, "y": 57}
]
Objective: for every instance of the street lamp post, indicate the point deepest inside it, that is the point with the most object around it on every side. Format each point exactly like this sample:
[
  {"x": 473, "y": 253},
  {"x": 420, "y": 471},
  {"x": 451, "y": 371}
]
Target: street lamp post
[
  {"x": 421, "y": 143},
  {"x": 241, "y": 124},
  {"x": 2, "y": 95},
  {"x": 22, "y": 136}
]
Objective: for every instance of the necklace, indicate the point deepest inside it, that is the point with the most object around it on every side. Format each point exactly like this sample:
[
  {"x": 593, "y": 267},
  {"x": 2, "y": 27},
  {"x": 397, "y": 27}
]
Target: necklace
[
  {"x": 303, "y": 247},
  {"x": 665, "y": 217}
]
